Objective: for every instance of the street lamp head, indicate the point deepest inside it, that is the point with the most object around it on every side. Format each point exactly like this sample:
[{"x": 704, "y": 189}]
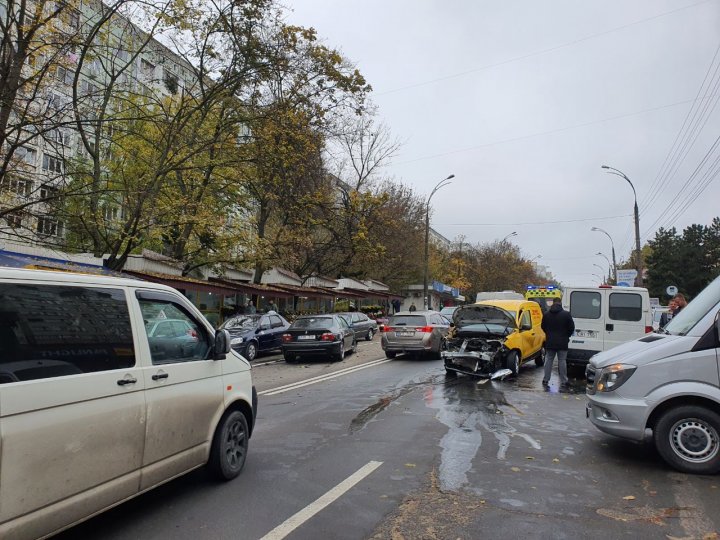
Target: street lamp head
[
  {"x": 450, "y": 177},
  {"x": 604, "y": 167},
  {"x": 594, "y": 229}
]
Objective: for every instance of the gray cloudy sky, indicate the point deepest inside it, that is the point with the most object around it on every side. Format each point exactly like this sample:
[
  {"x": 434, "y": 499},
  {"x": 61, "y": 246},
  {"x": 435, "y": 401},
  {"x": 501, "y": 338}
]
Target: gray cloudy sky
[{"x": 524, "y": 101}]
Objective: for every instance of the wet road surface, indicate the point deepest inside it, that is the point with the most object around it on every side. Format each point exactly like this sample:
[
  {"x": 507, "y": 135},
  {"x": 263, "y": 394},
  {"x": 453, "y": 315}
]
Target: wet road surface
[{"x": 458, "y": 458}]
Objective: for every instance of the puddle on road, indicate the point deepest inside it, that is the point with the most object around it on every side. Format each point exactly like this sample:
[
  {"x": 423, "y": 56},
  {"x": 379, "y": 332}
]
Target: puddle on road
[
  {"x": 367, "y": 414},
  {"x": 470, "y": 410}
]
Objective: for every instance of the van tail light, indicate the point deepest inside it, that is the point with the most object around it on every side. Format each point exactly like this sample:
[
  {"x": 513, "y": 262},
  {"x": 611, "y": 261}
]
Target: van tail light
[
  {"x": 426, "y": 329},
  {"x": 287, "y": 338},
  {"x": 648, "y": 329},
  {"x": 328, "y": 336}
]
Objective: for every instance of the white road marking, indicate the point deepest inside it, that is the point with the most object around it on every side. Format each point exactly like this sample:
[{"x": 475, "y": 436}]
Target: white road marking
[
  {"x": 293, "y": 522},
  {"x": 320, "y": 378}
]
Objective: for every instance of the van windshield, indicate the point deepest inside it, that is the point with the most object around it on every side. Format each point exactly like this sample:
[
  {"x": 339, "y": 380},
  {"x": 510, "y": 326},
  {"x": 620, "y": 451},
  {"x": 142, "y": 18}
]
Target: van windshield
[{"x": 691, "y": 314}]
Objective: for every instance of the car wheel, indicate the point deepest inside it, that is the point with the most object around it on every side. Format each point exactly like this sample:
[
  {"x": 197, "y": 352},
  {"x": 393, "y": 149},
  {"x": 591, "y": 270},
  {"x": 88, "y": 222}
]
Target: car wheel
[
  {"x": 687, "y": 438},
  {"x": 251, "y": 351},
  {"x": 369, "y": 335},
  {"x": 289, "y": 357},
  {"x": 540, "y": 358},
  {"x": 390, "y": 354},
  {"x": 512, "y": 362},
  {"x": 341, "y": 354},
  {"x": 229, "y": 446}
]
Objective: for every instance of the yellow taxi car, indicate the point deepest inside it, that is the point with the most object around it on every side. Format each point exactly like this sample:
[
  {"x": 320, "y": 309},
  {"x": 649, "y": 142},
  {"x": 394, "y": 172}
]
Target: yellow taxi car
[{"x": 493, "y": 335}]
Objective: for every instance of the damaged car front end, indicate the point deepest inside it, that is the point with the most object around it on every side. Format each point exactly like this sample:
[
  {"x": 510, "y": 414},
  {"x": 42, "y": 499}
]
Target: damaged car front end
[{"x": 475, "y": 344}]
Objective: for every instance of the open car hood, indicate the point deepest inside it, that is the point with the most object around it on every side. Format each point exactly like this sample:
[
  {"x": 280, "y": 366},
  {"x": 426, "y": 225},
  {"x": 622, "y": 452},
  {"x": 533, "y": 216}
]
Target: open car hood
[{"x": 479, "y": 313}]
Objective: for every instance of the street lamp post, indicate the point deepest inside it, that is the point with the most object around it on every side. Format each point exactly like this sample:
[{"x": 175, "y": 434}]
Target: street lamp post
[
  {"x": 638, "y": 254},
  {"x": 442, "y": 183},
  {"x": 612, "y": 245},
  {"x": 610, "y": 266},
  {"x": 514, "y": 233}
]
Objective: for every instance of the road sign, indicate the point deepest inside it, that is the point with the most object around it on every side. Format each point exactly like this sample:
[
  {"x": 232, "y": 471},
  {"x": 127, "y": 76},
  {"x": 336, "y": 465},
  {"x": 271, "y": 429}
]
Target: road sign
[
  {"x": 672, "y": 290},
  {"x": 626, "y": 278}
]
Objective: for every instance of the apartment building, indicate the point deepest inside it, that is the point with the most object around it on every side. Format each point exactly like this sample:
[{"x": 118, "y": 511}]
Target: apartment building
[{"x": 65, "y": 114}]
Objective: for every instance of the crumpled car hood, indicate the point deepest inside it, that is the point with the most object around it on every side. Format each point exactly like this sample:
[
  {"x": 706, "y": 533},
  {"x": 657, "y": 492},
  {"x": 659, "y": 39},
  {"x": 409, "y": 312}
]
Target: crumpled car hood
[{"x": 480, "y": 313}]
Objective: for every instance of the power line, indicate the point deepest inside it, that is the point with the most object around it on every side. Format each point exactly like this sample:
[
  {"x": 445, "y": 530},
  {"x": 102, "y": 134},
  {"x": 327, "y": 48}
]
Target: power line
[
  {"x": 549, "y": 132},
  {"x": 537, "y": 53},
  {"x": 689, "y": 131},
  {"x": 527, "y": 222}
]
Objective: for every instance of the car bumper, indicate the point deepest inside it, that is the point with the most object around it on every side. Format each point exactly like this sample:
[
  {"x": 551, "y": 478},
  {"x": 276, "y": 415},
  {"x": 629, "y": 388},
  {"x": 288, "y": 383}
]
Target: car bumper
[
  {"x": 579, "y": 357},
  {"x": 618, "y": 416},
  {"x": 308, "y": 349}
]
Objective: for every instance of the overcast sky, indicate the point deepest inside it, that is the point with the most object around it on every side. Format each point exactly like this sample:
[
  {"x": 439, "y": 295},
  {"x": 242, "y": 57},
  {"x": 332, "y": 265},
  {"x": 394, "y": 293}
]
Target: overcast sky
[{"x": 523, "y": 101}]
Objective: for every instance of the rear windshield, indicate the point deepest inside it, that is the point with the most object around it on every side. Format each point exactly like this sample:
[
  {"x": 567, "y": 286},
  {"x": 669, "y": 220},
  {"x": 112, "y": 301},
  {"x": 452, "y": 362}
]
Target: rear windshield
[
  {"x": 585, "y": 305},
  {"x": 407, "y": 320},
  {"x": 625, "y": 307},
  {"x": 314, "y": 322}
]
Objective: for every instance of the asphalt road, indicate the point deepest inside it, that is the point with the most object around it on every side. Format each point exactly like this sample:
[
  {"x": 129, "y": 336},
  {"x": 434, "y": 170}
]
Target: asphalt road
[{"x": 369, "y": 448}]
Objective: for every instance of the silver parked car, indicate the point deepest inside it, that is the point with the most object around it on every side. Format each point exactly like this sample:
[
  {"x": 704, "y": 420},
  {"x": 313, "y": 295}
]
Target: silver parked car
[{"x": 414, "y": 332}]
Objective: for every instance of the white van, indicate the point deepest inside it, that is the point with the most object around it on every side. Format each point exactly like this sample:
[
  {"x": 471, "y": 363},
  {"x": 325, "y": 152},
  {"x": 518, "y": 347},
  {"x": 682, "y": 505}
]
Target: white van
[
  {"x": 667, "y": 384},
  {"x": 605, "y": 317},
  {"x": 108, "y": 388}
]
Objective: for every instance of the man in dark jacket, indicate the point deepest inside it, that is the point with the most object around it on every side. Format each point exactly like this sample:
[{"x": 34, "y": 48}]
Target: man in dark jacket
[{"x": 558, "y": 326}]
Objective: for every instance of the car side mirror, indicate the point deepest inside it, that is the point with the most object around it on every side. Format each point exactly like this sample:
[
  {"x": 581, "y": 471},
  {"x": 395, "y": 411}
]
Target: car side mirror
[{"x": 222, "y": 345}]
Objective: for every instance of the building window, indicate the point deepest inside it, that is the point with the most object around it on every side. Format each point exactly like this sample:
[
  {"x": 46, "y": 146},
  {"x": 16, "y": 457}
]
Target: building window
[
  {"x": 87, "y": 88},
  {"x": 47, "y": 226},
  {"x": 53, "y": 164},
  {"x": 112, "y": 213},
  {"x": 47, "y": 192},
  {"x": 14, "y": 220},
  {"x": 58, "y": 136},
  {"x": 147, "y": 69},
  {"x": 74, "y": 19},
  {"x": 26, "y": 155},
  {"x": 65, "y": 75},
  {"x": 21, "y": 186}
]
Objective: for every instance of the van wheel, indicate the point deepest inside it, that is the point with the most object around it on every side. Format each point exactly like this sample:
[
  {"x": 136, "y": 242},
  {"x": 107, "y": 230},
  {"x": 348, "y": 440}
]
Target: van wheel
[
  {"x": 251, "y": 351},
  {"x": 540, "y": 358},
  {"x": 229, "y": 446},
  {"x": 512, "y": 362},
  {"x": 687, "y": 438}
]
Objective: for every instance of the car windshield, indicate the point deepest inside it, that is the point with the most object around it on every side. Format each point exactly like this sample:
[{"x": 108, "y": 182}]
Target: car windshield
[
  {"x": 313, "y": 323},
  {"x": 240, "y": 322},
  {"x": 691, "y": 314}
]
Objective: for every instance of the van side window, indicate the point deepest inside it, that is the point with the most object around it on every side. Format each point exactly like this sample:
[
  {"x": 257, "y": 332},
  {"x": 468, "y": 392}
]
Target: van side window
[
  {"x": 50, "y": 331},
  {"x": 585, "y": 305},
  {"x": 173, "y": 334},
  {"x": 625, "y": 307}
]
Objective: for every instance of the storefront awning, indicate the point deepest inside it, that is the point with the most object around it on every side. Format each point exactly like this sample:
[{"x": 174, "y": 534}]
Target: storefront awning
[
  {"x": 253, "y": 288},
  {"x": 184, "y": 283}
]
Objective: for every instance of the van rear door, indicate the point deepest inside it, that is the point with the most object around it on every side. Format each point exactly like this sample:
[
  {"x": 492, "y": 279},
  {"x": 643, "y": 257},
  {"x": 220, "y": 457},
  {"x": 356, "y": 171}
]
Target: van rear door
[
  {"x": 587, "y": 308},
  {"x": 626, "y": 317}
]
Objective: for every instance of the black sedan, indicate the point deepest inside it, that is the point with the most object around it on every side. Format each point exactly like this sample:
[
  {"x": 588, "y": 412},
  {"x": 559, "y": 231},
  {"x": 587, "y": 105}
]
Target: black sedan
[
  {"x": 363, "y": 326},
  {"x": 253, "y": 334},
  {"x": 318, "y": 335}
]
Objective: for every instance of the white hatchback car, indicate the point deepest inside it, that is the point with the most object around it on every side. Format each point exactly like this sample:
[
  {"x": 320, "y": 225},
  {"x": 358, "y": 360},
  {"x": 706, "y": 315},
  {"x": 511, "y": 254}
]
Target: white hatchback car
[{"x": 97, "y": 405}]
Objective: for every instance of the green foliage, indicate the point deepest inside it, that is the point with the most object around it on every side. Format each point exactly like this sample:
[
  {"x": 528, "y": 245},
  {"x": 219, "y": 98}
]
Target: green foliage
[{"x": 689, "y": 261}]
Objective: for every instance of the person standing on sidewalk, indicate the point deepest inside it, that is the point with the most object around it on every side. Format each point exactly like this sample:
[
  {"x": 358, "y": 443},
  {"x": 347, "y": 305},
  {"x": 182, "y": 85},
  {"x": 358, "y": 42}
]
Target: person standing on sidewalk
[{"x": 558, "y": 326}]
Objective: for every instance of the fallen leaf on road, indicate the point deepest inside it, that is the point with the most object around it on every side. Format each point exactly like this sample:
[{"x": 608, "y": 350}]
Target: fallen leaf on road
[
  {"x": 516, "y": 469},
  {"x": 556, "y": 460},
  {"x": 410, "y": 465},
  {"x": 529, "y": 457},
  {"x": 482, "y": 501},
  {"x": 629, "y": 498}
]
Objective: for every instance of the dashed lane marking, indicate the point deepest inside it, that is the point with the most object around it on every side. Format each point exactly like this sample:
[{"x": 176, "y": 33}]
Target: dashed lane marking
[{"x": 293, "y": 522}]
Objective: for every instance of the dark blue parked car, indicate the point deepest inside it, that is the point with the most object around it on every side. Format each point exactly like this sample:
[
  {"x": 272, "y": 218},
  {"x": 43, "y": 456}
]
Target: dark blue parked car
[{"x": 253, "y": 334}]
